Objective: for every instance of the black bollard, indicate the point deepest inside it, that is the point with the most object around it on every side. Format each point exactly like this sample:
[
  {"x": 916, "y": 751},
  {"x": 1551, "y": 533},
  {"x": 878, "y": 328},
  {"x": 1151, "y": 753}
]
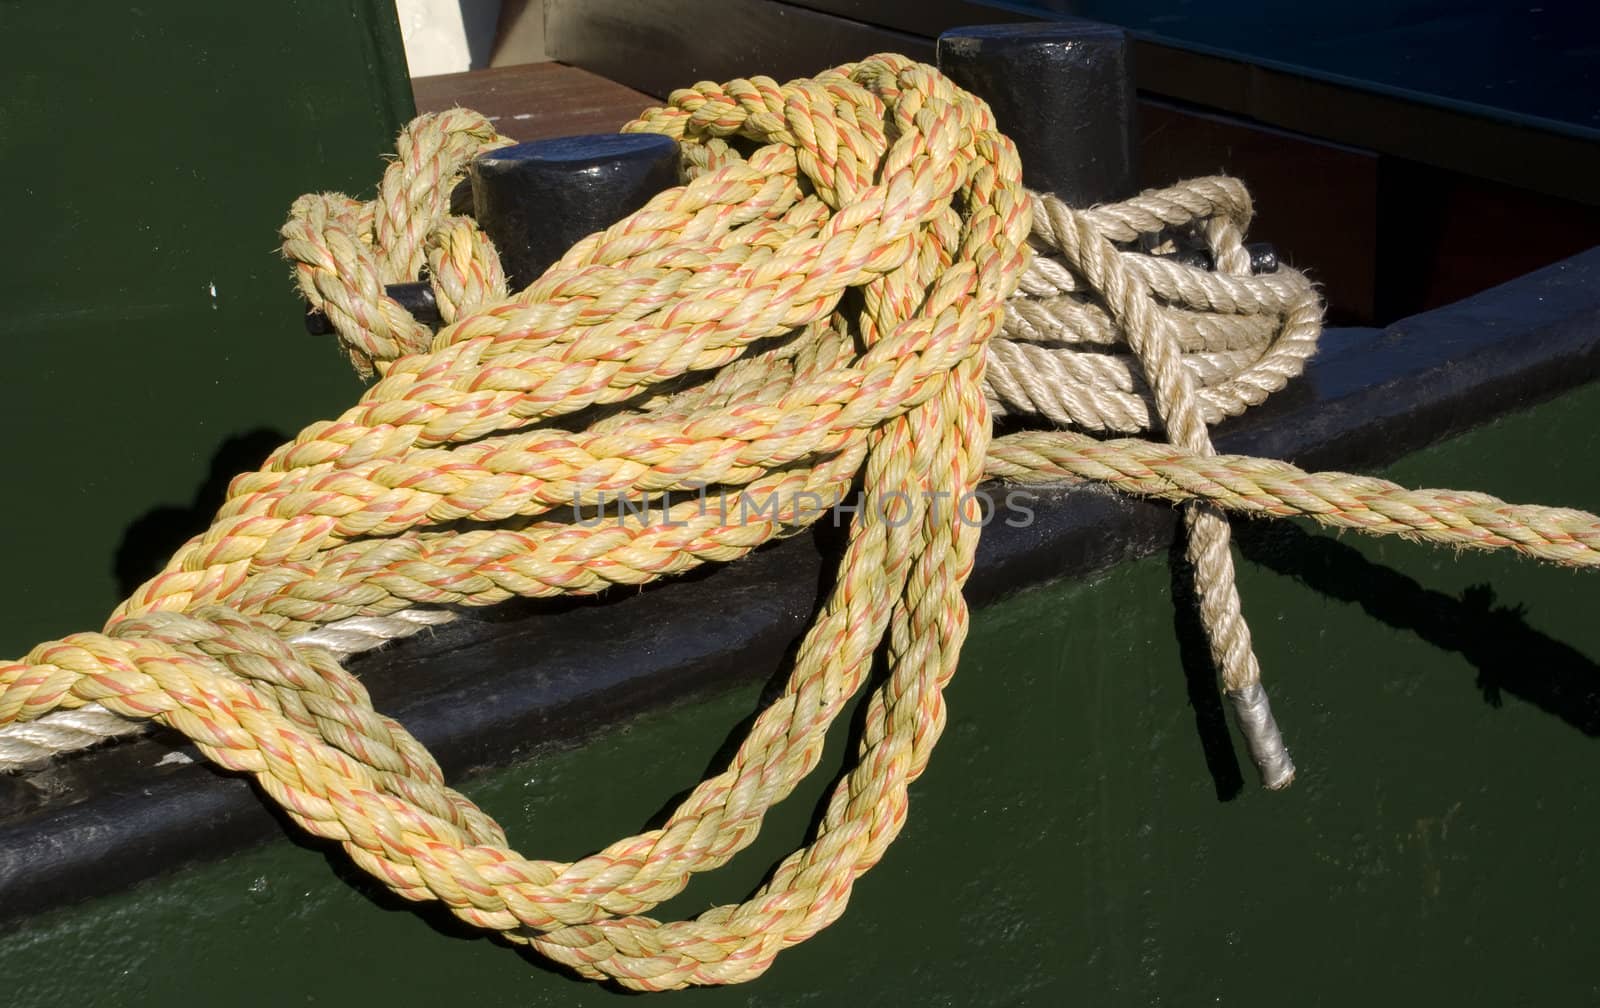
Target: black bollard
[
  {"x": 1063, "y": 92},
  {"x": 536, "y": 200}
]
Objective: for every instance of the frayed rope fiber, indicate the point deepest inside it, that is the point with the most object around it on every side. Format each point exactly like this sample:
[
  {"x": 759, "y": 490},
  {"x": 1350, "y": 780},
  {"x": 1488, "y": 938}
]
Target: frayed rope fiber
[{"x": 847, "y": 287}]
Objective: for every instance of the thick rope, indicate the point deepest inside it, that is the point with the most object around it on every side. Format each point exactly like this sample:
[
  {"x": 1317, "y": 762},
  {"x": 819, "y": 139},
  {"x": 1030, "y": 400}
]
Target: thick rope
[
  {"x": 842, "y": 306},
  {"x": 1237, "y": 483},
  {"x": 1242, "y": 339}
]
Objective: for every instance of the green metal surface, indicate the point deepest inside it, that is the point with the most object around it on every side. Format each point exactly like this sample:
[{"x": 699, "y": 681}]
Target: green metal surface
[
  {"x": 1068, "y": 844},
  {"x": 148, "y": 154}
]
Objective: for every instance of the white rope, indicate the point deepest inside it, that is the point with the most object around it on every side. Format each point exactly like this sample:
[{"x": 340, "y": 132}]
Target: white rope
[{"x": 29, "y": 744}]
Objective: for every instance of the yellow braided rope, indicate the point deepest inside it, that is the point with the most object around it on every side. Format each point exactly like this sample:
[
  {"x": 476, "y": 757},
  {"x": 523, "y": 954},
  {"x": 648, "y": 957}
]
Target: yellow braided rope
[{"x": 817, "y": 313}]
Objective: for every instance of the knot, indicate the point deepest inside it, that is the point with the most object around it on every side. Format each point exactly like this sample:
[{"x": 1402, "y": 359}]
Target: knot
[
  {"x": 346, "y": 250},
  {"x": 1069, "y": 356}
]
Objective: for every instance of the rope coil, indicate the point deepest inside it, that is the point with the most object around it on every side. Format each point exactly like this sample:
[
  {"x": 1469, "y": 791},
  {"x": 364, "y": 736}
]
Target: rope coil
[{"x": 845, "y": 304}]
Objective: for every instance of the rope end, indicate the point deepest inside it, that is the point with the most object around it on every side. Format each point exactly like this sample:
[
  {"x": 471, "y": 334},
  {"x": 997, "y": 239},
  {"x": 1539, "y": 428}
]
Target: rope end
[{"x": 1260, "y": 729}]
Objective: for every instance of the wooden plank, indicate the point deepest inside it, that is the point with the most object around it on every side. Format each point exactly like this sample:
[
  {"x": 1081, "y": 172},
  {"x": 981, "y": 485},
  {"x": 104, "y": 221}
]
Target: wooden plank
[{"x": 535, "y": 101}]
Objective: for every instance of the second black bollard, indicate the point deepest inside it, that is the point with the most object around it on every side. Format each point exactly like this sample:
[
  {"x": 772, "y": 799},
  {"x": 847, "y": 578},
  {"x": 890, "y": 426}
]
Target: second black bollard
[{"x": 1063, "y": 92}]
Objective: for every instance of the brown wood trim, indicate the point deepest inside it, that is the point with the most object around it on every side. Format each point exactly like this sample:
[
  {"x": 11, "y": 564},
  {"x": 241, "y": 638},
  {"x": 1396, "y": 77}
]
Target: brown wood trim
[
  {"x": 1541, "y": 161},
  {"x": 536, "y": 100}
]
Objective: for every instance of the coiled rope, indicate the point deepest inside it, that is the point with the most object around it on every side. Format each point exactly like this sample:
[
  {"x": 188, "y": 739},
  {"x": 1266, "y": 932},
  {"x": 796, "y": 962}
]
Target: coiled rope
[{"x": 840, "y": 294}]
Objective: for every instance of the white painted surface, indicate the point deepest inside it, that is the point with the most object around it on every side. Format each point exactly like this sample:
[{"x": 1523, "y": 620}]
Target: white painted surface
[{"x": 447, "y": 36}]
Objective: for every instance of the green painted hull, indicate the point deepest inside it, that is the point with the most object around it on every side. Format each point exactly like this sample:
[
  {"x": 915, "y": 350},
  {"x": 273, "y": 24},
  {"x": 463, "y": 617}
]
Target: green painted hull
[{"x": 1067, "y": 844}]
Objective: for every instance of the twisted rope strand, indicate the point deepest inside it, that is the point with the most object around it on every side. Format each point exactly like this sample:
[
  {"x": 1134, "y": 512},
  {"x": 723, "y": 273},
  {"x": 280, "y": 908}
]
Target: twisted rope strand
[{"x": 1268, "y": 487}]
